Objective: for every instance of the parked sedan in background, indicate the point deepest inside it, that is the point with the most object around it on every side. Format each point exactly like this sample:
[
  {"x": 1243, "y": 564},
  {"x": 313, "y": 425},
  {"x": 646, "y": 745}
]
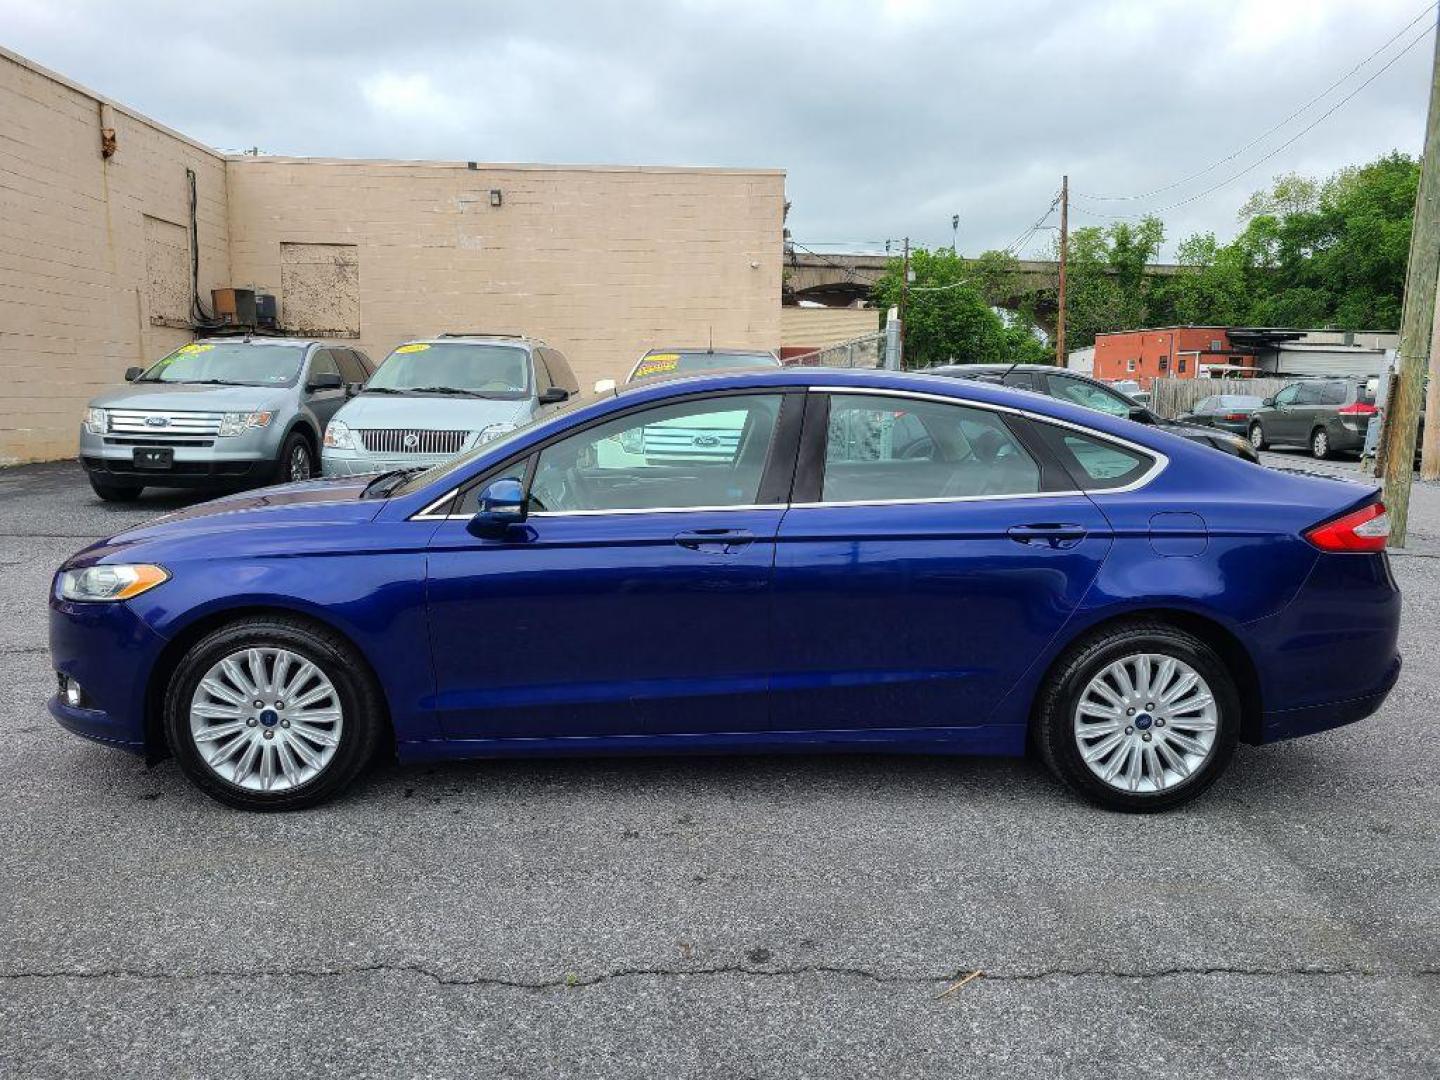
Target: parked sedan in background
[
  {"x": 217, "y": 413},
  {"x": 1230, "y": 412},
  {"x": 1092, "y": 394},
  {"x": 1131, "y": 603},
  {"x": 1327, "y": 416},
  {"x": 432, "y": 399}
]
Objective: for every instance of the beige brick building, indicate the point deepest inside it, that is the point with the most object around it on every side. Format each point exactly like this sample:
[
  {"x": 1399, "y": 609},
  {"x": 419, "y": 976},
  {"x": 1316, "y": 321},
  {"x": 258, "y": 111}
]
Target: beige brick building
[{"x": 95, "y": 274}]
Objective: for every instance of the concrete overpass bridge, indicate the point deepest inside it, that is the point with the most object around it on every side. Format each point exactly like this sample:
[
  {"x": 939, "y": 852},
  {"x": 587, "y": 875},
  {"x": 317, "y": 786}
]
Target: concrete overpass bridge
[{"x": 839, "y": 280}]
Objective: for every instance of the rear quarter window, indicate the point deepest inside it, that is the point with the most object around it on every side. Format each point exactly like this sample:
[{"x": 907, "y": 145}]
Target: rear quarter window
[{"x": 1094, "y": 463}]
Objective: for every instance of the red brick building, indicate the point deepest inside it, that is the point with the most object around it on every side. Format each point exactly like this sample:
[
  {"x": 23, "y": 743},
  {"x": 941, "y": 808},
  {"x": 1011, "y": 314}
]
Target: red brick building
[{"x": 1176, "y": 352}]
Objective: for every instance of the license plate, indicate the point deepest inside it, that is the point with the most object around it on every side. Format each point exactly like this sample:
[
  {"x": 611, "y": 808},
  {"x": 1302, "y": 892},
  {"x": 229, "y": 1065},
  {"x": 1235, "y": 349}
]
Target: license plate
[{"x": 154, "y": 457}]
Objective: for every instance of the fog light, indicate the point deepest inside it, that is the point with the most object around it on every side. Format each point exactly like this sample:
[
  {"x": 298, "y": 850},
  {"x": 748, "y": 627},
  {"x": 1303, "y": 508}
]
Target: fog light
[{"x": 74, "y": 696}]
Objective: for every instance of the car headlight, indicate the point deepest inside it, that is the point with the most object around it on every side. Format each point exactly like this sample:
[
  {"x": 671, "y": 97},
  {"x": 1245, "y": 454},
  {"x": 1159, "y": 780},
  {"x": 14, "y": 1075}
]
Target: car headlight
[
  {"x": 494, "y": 431},
  {"x": 337, "y": 435},
  {"x": 237, "y": 423},
  {"x": 110, "y": 581},
  {"x": 97, "y": 421}
]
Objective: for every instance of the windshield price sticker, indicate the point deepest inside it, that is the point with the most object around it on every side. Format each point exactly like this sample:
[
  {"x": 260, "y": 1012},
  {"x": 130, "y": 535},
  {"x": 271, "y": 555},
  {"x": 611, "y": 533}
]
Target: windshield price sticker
[
  {"x": 658, "y": 364},
  {"x": 418, "y": 347}
]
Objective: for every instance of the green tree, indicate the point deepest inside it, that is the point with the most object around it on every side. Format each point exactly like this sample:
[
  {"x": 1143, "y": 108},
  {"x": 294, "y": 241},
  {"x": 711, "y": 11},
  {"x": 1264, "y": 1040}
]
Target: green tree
[
  {"x": 949, "y": 316},
  {"x": 1106, "y": 287}
]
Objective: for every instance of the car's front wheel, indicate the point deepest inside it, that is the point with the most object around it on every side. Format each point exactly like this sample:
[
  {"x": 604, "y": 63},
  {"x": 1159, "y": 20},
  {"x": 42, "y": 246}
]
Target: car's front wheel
[
  {"x": 1140, "y": 717},
  {"x": 272, "y": 714},
  {"x": 296, "y": 461},
  {"x": 1257, "y": 437}
]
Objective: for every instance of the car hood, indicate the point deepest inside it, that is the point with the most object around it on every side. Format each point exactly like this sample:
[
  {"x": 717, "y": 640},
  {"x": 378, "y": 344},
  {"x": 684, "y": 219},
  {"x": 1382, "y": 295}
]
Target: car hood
[
  {"x": 331, "y": 502},
  {"x": 431, "y": 412},
  {"x": 186, "y": 397}
]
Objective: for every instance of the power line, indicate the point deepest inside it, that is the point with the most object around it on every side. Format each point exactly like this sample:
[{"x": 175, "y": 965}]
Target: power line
[
  {"x": 1271, "y": 131},
  {"x": 1283, "y": 146}
]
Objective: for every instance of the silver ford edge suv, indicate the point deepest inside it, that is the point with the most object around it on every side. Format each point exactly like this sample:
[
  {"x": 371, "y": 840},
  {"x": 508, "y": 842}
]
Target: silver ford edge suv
[
  {"x": 218, "y": 413},
  {"x": 433, "y": 398}
]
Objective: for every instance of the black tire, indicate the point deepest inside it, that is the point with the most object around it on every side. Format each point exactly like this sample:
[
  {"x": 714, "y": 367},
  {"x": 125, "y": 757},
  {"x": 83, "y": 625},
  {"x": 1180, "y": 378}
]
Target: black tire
[
  {"x": 1257, "y": 437},
  {"x": 1320, "y": 444},
  {"x": 1060, "y": 696},
  {"x": 296, "y": 449},
  {"x": 113, "y": 492},
  {"x": 359, "y": 695}
]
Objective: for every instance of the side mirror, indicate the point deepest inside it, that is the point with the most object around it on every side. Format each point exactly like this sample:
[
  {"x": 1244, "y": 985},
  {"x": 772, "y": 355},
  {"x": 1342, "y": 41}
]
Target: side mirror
[
  {"x": 325, "y": 380},
  {"x": 1140, "y": 414},
  {"x": 501, "y": 505},
  {"x": 604, "y": 386},
  {"x": 133, "y": 373},
  {"x": 554, "y": 395},
  {"x": 1268, "y": 403}
]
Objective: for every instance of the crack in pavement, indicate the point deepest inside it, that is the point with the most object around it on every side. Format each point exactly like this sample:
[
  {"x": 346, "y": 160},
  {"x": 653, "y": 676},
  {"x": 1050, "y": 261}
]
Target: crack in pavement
[{"x": 575, "y": 981}]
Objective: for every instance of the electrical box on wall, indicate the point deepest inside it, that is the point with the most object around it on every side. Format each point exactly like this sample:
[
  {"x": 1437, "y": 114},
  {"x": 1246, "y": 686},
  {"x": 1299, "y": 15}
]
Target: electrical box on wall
[
  {"x": 267, "y": 312},
  {"x": 234, "y": 307}
]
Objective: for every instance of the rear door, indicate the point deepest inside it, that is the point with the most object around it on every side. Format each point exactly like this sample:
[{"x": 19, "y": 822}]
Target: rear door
[{"x": 914, "y": 587}]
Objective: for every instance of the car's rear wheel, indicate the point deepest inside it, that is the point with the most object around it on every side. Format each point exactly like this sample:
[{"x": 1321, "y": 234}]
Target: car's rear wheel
[
  {"x": 1141, "y": 717},
  {"x": 272, "y": 714},
  {"x": 1320, "y": 444},
  {"x": 113, "y": 492},
  {"x": 1257, "y": 437}
]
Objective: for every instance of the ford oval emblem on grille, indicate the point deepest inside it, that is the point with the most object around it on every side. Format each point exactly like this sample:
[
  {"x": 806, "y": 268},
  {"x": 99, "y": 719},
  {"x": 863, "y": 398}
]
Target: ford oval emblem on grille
[
  {"x": 411, "y": 441},
  {"x": 707, "y": 440},
  {"x": 157, "y": 421}
]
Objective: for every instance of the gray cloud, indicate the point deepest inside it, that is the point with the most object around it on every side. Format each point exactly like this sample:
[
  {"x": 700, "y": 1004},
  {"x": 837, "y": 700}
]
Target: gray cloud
[{"x": 888, "y": 117}]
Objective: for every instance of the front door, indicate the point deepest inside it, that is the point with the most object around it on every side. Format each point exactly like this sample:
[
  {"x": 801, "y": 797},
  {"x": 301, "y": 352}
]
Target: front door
[
  {"x": 635, "y": 598},
  {"x": 326, "y": 403},
  {"x": 1286, "y": 423},
  {"x": 934, "y": 557}
]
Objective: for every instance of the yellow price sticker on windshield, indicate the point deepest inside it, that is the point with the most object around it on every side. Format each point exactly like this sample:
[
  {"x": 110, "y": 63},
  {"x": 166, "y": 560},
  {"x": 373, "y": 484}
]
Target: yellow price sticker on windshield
[
  {"x": 417, "y": 347},
  {"x": 658, "y": 364},
  {"x": 193, "y": 347}
]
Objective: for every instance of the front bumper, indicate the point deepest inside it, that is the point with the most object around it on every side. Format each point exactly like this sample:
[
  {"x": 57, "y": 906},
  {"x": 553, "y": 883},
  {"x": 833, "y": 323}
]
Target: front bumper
[
  {"x": 203, "y": 462},
  {"x": 353, "y": 463},
  {"x": 110, "y": 651}
]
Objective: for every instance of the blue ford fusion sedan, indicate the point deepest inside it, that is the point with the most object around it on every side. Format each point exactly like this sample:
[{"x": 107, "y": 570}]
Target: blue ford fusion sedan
[{"x": 749, "y": 561}]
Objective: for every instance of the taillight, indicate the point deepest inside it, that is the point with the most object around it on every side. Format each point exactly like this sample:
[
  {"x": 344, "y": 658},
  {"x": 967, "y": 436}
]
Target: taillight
[
  {"x": 1360, "y": 408},
  {"x": 1234, "y": 416},
  {"x": 1366, "y": 529}
]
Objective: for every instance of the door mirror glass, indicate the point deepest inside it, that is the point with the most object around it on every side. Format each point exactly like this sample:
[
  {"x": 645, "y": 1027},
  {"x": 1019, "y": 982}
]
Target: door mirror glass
[
  {"x": 133, "y": 373},
  {"x": 500, "y": 505},
  {"x": 1268, "y": 403},
  {"x": 1140, "y": 414},
  {"x": 554, "y": 395},
  {"x": 325, "y": 380}
]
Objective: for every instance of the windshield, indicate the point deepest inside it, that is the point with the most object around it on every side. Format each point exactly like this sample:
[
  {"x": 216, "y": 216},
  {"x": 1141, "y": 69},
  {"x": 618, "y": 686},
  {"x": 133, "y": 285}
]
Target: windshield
[
  {"x": 498, "y": 371},
  {"x": 233, "y": 363},
  {"x": 437, "y": 472},
  {"x": 683, "y": 362}
]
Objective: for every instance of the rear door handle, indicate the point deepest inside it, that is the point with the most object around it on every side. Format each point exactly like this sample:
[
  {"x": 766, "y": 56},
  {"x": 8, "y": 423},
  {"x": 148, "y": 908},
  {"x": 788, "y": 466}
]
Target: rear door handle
[
  {"x": 716, "y": 541},
  {"x": 1057, "y": 535}
]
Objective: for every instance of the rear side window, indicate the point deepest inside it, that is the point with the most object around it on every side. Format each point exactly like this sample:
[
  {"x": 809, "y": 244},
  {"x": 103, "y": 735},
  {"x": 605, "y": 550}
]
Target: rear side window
[
  {"x": 886, "y": 449},
  {"x": 1093, "y": 463},
  {"x": 1334, "y": 393}
]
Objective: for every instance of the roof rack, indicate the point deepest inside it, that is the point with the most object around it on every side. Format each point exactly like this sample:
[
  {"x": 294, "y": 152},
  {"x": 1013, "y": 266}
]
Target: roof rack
[{"x": 477, "y": 333}]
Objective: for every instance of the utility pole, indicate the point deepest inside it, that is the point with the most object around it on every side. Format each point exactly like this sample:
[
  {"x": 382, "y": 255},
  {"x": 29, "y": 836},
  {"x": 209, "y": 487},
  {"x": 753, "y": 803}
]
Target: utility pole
[
  {"x": 1416, "y": 322},
  {"x": 904, "y": 300},
  {"x": 1060, "y": 357}
]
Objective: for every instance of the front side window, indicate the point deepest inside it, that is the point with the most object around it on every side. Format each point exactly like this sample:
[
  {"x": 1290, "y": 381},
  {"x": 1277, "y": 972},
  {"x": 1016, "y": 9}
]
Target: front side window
[
  {"x": 1287, "y": 395},
  {"x": 231, "y": 363},
  {"x": 881, "y": 449},
  {"x": 323, "y": 363},
  {"x": 1089, "y": 395},
  {"x": 474, "y": 369},
  {"x": 698, "y": 453}
]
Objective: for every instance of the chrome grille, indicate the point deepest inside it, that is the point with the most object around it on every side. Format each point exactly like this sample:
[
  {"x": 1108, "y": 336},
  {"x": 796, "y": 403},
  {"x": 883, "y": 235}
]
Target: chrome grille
[
  {"x": 412, "y": 441},
  {"x": 159, "y": 422}
]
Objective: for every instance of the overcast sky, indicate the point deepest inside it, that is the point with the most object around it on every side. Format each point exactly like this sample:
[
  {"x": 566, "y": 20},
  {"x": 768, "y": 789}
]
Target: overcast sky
[{"x": 888, "y": 117}]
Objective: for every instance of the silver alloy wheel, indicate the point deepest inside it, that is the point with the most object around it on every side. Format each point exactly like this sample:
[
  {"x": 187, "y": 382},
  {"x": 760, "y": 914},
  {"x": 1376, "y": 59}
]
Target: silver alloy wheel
[
  {"x": 266, "y": 719},
  {"x": 300, "y": 462},
  {"x": 1320, "y": 444},
  {"x": 1257, "y": 436},
  {"x": 1146, "y": 723}
]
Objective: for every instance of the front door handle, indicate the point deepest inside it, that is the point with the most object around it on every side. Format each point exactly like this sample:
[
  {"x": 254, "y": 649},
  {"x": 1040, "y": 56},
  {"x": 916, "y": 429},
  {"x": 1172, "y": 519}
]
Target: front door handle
[
  {"x": 716, "y": 541},
  {"x": 1058, "y": 535}
]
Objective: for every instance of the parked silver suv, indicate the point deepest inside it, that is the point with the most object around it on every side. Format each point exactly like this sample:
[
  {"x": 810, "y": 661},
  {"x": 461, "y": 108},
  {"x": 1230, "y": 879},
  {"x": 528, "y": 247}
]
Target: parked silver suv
[
  {"x": 219, "y": 412},
  {"x": 433, "y": 398}
]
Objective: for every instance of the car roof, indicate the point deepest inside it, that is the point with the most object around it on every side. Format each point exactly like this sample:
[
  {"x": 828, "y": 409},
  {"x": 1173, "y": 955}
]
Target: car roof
[
  {"x": 703, "y": 349},
  {"x": 236, "y": 339},
  {"x": 476, "y": 339}
]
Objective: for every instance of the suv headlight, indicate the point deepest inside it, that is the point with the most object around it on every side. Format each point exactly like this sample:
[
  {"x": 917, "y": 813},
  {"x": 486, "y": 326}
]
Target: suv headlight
[
  {"x": 236, "y": 423},
  {"x": 494, "y": 431},
  {"x": 337, "y": 435},
  {"x": 110, "y": 581},
  {"x": 97, "y": 421}
]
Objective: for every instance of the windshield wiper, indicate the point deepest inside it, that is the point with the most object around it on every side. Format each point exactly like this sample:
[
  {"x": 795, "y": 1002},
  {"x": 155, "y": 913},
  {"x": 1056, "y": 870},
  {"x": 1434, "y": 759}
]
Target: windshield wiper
[
  {"x": 210, "y": 382},
  {"x": 385, "y": 482},
  {"x": 383, "y": 390},
  {"x": 445, "y": 390}
]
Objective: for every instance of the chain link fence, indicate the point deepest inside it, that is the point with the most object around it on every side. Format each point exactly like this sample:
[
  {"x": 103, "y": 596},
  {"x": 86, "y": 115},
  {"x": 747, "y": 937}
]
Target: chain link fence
[{"x": 862, "y": 352}]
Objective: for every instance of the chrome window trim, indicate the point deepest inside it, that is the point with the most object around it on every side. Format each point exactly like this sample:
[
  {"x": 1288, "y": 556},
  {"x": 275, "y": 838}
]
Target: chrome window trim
[{"x": 1159, "y": 463}]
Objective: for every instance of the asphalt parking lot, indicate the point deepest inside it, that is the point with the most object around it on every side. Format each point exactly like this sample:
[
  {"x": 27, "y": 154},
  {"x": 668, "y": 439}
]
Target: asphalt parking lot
[{"x": 736, "y": 917}]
